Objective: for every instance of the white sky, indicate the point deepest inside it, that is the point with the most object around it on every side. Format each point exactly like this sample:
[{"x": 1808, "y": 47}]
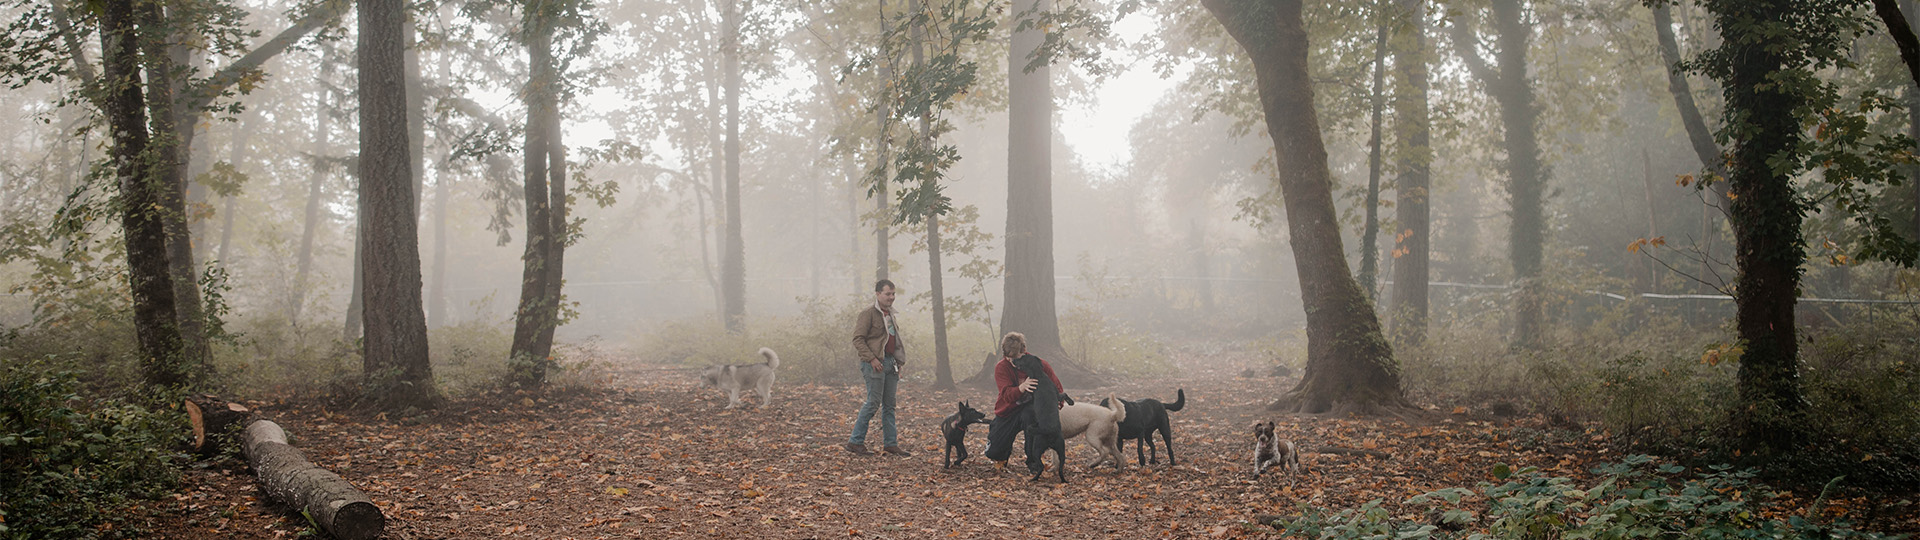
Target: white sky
[{"x": 1095, "y": 129}]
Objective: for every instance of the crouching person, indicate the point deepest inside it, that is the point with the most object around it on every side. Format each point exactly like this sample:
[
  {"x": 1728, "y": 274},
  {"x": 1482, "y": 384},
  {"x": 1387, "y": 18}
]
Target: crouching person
[{"x": 1016, "y": 393}]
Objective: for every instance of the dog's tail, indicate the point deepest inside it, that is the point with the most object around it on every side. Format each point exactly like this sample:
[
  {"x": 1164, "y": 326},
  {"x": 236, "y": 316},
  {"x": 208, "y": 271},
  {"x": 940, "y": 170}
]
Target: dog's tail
[
  {"x": 1178, "y": 403},
  {"x": 1119, "y": 409},
  {"x": 773, "y": 360}
]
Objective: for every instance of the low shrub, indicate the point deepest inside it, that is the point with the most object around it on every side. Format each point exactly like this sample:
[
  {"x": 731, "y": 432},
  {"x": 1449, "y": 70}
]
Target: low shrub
[
  {"x": 1102, "y": 343},
  {"x": 74, "y": 466},
  {"x": 1636, "y": 498}
]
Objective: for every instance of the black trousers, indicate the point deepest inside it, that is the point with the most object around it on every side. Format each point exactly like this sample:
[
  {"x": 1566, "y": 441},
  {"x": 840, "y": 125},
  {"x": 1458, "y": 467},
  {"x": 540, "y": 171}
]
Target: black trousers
[{"x": 1000, "y": 435}]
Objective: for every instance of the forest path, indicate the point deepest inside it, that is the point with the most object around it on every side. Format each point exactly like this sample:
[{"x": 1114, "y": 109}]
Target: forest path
[{"x": 655, "y": 456}]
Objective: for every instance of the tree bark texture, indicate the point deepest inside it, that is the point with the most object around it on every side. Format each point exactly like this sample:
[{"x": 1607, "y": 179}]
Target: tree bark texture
[
  {"x": 329, "y": 500},
  {"x": 141, "y": 193},
  {"x": 556, "y": 231},
  {"x": 1350, "y": 366},
  {"x": 733, "y": 266},
  {"x": 1029, "y": 287},
  {"x": 537, "y": 309},
  {"x": 1413, "y": 205},
  {"x": 395, "y": 349},
  {"x": 1766, "y": 220}
]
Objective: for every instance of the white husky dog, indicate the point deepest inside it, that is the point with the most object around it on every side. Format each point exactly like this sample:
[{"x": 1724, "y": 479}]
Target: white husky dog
[{"x": 733, "y": 378}]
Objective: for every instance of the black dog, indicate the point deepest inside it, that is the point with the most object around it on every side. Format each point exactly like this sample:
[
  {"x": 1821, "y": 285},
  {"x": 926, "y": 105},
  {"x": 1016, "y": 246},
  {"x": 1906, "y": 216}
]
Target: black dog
[
  {"x": 1145, "y": 417},
  {"x": 955, "y": 429},
  {"x": 1042, "y": 418}
]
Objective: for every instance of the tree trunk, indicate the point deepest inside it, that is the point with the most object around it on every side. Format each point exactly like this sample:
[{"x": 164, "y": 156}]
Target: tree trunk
[
  {"x": 356, "y": 300},
  {"x": 324, "y": 497},
  {"x": 733, "y": 269},
  {"x": 1507, "y": 81},
  {"x": 437, "y": 291},
  {"x": 1029, "y": 287},
  {"x": 169, "y": 145},
  {"x": 155, "y": 325},
  {"x": 942, "y": 370},
  {"x": 1766, "y": 220},
  {"x": 528, "y": 361},
  {"x": 316, "y": 181},
  {"x": 716, "y": 188},
  {"x": 1350, "y": 366},
  {"x": 881, "y": 158},
  {"x": 1370, "y": 231},
  {"x": 1910, "y": 10},
  {"x": 1413, "y": 204},
  {"x": 556, "y": 232},
  {"x": 1653, "y": 214},
  {"x": 395, "y": 358},
  {"x": 1698, "y": 135}
]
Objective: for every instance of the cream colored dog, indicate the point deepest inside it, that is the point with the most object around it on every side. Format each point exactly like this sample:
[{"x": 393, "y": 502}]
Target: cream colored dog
[{"x": 1101, "y": 425}]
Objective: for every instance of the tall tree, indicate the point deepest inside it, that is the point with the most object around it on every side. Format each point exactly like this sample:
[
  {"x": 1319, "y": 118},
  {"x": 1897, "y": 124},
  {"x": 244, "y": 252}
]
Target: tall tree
[
  {"x": 316, "y": 182},
  {"x": 141, "y": 192},
  {"x": 1350, "y": 366},
  {"x": 1698, "y": 135},
  {"x": 1512, "y": 87},
  {"x": 160, "y": 29},
  {"x": 882, "y": 154},
  {"x": 1773, "y": 90},
  {"x": 395, "y": 359},
  {"x": 1370, "y": 232},
  {"x": 1412, "y": 187},
  {"x": 1029, "y": 288},
  {"x": 733, "y": 266},
  {"x": 544, "y": 177}
]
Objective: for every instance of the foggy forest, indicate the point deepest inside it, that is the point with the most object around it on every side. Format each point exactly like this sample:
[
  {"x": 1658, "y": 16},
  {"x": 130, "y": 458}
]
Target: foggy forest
[{"x": 1412, "y": 269}]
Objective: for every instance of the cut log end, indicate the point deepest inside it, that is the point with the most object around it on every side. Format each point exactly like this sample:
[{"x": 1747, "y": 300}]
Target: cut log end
[
  {"x": 211, "y": 418},
  {"x": 358, "y": 520}
]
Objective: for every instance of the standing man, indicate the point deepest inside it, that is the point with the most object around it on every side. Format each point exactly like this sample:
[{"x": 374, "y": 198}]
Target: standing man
[{"x": 876, "y": 338}]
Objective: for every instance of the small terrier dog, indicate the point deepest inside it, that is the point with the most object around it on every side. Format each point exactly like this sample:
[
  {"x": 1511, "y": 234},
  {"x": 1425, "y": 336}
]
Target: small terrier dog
[
  {"x": 1269, "y": 450},
  {"x": 955, "y": 429}
]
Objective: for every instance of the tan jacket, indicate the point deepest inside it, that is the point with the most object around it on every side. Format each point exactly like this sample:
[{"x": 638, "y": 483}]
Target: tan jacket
[{"x": 870, "y": 335}]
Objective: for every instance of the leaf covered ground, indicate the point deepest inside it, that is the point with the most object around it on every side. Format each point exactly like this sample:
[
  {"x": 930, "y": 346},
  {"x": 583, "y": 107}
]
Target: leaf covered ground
[{"x": 653, "y": 455}]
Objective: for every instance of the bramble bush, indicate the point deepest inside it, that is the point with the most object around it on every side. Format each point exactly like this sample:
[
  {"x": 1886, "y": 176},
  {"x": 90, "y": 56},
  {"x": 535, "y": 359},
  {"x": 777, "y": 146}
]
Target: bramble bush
[
  {"x": 1636, "y": 498},
  {"x": 72, "y": 465}
]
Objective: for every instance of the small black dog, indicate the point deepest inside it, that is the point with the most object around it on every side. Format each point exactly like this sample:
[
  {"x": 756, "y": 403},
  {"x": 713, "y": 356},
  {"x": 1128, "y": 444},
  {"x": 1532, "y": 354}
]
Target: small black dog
[
  {"x": 1144, "y": 417},
  {"x": 955, "y": 429},
  {"x": 1042, "y": 420}
]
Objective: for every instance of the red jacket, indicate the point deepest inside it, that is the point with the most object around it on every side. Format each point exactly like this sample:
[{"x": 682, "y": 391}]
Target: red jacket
[{"x": 1008, "y": 378}]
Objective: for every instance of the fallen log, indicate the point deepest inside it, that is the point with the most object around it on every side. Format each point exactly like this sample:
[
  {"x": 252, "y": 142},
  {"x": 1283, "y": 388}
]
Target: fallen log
[
  {"x": 211, "y": 418},
  {"x": 326, "y": 498}
]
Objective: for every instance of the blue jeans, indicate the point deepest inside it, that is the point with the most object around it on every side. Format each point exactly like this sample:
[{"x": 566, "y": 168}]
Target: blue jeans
[{"x": 880, "y": 387}]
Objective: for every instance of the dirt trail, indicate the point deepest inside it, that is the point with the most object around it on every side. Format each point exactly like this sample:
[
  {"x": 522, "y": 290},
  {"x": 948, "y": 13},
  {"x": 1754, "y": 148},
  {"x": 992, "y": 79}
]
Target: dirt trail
[{"x": 654, "y": 456}]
